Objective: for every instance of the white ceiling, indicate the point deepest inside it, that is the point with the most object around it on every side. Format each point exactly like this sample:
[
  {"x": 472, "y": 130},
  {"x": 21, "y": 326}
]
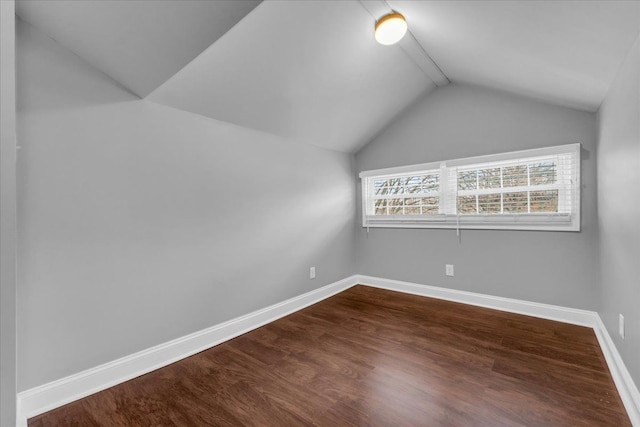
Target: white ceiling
[
  {"x": 306, "y": 70},
  {"x": 138, "y": 43},
  {"x": 564, "y": 52},
  {"x": 311, "y": 70}
]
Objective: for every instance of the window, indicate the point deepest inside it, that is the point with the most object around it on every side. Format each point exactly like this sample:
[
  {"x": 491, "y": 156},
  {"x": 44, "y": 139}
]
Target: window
[
  {"x": 415, "y": 194},
  {"x": 526, "y": 190}
]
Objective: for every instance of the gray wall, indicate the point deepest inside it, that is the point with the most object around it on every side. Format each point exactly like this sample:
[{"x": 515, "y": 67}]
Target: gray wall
[
  {"x": 460, "y": 121},
  {"x": 7, "y": 215},
  {"x": 619, "y": 209},
  {"x": 140, "y": 223}
]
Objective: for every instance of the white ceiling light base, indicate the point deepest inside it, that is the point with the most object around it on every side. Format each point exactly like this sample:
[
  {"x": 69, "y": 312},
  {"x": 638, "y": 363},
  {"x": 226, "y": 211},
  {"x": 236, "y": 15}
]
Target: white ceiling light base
[
  {"x": 390, "y": 29},
  {"x": 409, "y": 44}
]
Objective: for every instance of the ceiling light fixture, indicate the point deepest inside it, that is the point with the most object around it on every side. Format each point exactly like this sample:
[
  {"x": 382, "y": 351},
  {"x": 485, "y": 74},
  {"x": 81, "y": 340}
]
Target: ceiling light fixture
[{"x": 390, "y": 29}]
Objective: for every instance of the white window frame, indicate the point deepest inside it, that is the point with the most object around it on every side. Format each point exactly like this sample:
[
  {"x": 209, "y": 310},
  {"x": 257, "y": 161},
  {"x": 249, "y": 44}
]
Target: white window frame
[{"x": 567, "y": 219}]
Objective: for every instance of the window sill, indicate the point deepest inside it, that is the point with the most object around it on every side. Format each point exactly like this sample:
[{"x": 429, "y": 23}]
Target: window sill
[{"x": 481, "y": 222}]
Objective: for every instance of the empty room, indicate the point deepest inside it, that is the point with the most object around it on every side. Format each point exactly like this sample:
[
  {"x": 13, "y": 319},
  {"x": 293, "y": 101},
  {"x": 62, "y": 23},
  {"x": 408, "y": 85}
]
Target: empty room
[{"x": 331, "y": 213}]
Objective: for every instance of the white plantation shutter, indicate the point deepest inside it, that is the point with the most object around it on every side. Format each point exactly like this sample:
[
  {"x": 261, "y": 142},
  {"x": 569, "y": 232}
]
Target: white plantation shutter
[{"x": 532, "y": 189}]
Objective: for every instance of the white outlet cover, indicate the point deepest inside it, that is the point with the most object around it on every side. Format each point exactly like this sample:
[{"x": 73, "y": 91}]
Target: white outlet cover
[
  {"x": 621, "y": 325},
  {"x": 449, "y": 269},
  {"x": 312, "y": 273}
]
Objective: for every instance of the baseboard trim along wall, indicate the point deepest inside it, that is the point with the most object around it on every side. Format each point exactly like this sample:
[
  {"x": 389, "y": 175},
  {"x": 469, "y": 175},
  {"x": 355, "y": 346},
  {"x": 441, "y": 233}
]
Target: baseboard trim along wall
[
  {"x": 43, "y": 398},
  {"x": 57, "y": 393},
  {"x": 621, "y": 377},
  {"x": 545, "y": 311}
]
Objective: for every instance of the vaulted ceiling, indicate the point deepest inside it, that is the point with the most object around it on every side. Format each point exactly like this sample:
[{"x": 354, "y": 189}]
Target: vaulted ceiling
[
  {"x": 564, "y": 52},
  {"x": 311, "y": 70},
  {"x": 138, "y": 43}
]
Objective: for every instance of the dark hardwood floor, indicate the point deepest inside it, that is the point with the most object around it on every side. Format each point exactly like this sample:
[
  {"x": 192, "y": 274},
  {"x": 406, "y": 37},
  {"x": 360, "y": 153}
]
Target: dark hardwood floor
[{"x": 371, "y": 357}]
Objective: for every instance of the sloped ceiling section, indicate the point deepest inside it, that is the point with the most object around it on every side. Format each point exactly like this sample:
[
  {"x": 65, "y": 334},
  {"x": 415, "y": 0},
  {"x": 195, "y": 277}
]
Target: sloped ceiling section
[
  {"x": 138, "y": 43},
  {"x": 306, "y": 70},
  {"x": 562, "y": 52},
  {"x": 311, "y": 70}
]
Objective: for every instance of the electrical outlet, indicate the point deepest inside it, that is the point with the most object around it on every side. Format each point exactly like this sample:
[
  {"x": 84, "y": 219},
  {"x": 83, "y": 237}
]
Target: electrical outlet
[
  {"x": 312, "y": 273},
  {"x": 448, "y": 269},
  {"x": 621, "y": 325}
]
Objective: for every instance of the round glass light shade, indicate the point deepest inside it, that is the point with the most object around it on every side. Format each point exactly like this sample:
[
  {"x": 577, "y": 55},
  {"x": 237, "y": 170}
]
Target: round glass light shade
[{"x": 390, "y": 29}]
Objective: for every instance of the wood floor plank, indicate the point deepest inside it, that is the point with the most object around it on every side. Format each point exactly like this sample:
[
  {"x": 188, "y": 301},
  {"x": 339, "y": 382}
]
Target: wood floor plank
[{"x": 373, "y": 357}]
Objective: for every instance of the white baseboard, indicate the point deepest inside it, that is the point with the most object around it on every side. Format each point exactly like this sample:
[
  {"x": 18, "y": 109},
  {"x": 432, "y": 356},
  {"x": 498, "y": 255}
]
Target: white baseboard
[
  {"x": 57, "y": 393},
  {"x": 545, "y": 311},
  {"x": 43, "y": 398},
  {"x": 621, "y": 377}
]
